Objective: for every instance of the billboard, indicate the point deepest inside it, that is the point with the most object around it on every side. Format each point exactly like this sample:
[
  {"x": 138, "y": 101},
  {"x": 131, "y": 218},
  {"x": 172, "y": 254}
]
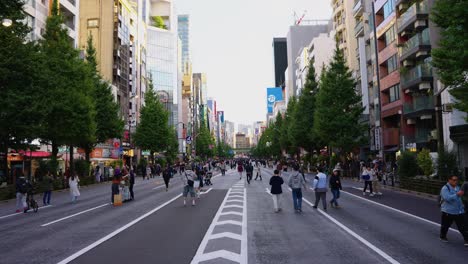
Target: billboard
[
  {"x": 273, "y": 95},
  {"x": 221, "y": 116}
]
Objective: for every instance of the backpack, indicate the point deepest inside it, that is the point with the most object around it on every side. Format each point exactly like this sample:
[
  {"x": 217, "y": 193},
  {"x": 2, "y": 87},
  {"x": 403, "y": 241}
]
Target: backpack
[{"x": 441, "y": 200}]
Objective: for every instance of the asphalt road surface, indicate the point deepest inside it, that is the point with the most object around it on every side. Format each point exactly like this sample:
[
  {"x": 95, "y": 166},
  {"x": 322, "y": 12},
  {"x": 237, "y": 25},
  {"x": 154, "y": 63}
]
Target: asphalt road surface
[{"x": 232, "y": 222}]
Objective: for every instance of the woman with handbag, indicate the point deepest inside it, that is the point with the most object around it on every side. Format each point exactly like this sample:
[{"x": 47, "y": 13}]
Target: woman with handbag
[
  {"x": 188, "y": 180},
  {"x": 367, "y": 177}
]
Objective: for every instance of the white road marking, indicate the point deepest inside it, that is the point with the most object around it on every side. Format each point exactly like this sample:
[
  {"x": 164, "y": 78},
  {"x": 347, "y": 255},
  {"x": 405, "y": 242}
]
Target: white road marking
[
  {"x": 73, "y": 215},
  {"x": 355, "y": 235},
  {"x": 209, "y": 190},
  {"x": 398, "y": 211},
  {"x": 10, "y": 215},
  {"x": 109, "y": 236},
  {"x": 241, "y": 258}
]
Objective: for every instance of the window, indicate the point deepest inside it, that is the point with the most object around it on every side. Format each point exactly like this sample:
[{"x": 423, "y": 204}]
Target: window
[
  {"x": 388, "y": 8},
  {"x": 392, "y": 64},
  {"x": 390, "y": 36},
  {"x": 394, "y": 92}
]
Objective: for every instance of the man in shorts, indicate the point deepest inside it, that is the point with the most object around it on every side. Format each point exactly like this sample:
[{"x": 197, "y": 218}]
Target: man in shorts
[{"x": 188, "y": 178}]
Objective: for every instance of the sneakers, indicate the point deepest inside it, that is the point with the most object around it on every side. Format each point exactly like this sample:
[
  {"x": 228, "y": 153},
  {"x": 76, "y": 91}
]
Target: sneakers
[
  {"x": 364, "y": 193},
  {"x": 371, "y": 195},
  {"x": 315, "y": 207},
  {"x": 445, "y": 240}
]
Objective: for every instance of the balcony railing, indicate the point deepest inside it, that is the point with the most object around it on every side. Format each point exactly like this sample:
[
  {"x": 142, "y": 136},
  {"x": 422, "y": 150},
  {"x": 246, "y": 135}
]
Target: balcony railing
[
  {"x": 359, "y": 28},
  {"x": 419, "y": 103},
  {"x": 357, "y": 8},
  {"x": 417, "y": 40},
  {"x": 418, "y": 72},
  {"x": 414, "y": 10}
]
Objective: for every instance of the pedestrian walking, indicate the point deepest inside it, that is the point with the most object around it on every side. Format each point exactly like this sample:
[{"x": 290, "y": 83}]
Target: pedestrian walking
[
  {"x": 276, "y": 181},
  {"x": 259, "y": 173},
  {"x": 111, "y": 173},
  {"x": 223, "y": 168},
  {"x": 115, "y": 190},
  {"x": 97, "y": 174},
  {"x": 240, "y": 169},
  {"x": 249, "y": 171},
  {"x": 335, "y": 186},
  {"x": 464, "y": 188},
  {"x": 367, "y": 178},
  {"x": 188, "y": 180},
  {"x": 452, "y": 209},
  {"x": 48, "y": 186},
  {"x": 320, "y": 187},
  {"x": 167, "y": 176},
  {"x": 296, "y": 183},
  {"x": 132, "y": 183},
  {"x": 279, "y": 167},
  {"x": 73, "y": 182},
  {"x": 21, "y": 193}
]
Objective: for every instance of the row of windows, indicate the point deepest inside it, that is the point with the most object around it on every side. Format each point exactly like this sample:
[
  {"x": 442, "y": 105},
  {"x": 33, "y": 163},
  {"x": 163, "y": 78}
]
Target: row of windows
[
  {"x": 390, "y": 36},
  {"x": 392, "y": 64},
  {"x": 394, "y": 93},
  {"x": 388, "y": 8}
]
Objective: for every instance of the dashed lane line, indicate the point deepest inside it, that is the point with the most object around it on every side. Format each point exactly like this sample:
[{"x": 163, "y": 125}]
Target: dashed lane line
[
  {"x": 10, "y": 215},
  {"x": 73, "y": 215}
]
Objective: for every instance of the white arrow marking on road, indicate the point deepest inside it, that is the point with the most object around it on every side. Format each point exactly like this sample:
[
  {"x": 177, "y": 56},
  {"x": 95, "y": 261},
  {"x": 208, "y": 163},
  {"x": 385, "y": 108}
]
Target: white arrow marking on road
[
  {"x": 233, "y": 206},
  {"x": 73, "y": 215},
  {"x": 228, "y": 222},
  {"x": 226, "y": 234},
  {"x": 10, "y": 215},
  {"x": 235, "y": 200},
  {"x": 231, "y": 213},
  {"x": 219, "y": 254}
]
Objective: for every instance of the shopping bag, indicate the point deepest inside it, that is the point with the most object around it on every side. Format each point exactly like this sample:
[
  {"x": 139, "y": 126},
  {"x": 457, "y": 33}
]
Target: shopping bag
[{"x": 117, "y": 199}]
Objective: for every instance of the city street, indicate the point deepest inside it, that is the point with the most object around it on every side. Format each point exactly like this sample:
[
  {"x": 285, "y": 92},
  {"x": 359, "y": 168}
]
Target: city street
[{"x": 233, "y": 222}]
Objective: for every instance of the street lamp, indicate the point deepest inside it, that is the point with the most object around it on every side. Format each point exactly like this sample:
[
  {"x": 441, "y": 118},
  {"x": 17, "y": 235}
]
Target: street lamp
[{"x": 6, "y": 22}]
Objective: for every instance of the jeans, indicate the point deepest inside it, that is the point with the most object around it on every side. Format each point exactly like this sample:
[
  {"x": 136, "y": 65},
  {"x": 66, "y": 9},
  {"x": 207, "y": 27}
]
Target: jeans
[
  {"x": 115, "y": 190},
  {"x": 446, "y": 222},
  {"x": 297, "y": 198},
  {"x": 321, "y": 196},
  {"x": 336, "y": 196},
  {"x": 368, "y": 183},
  {"x": 276, "y": 201},
  {"x": 46, "y": 197}
]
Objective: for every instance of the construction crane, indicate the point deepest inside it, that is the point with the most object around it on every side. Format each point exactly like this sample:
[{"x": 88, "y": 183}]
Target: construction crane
[{"x": 297, "y": 20}]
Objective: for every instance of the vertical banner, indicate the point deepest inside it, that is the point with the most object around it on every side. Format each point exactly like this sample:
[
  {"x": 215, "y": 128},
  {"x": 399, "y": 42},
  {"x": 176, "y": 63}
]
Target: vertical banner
[
  {"x": 221, "y": 116},
  {"x": 273, "y": 95}
]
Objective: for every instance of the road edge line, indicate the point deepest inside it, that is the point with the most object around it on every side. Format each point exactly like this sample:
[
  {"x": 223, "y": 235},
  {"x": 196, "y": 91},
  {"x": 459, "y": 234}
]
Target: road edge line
[{"x": 73, "y": 215}]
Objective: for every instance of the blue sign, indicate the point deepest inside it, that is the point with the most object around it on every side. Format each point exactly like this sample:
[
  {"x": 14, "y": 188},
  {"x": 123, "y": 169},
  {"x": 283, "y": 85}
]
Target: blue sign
[{"x": 273, "y": 95}]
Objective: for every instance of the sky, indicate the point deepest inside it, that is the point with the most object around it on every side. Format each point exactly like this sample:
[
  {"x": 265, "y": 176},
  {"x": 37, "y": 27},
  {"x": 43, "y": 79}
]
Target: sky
[{"x": 231, "y": 41}]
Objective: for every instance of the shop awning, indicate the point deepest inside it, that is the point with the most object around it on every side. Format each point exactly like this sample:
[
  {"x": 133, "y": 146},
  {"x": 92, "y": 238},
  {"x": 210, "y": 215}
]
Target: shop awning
[
  {"x": 393, "y": 149},
  {"x": 36, "y": 154}
]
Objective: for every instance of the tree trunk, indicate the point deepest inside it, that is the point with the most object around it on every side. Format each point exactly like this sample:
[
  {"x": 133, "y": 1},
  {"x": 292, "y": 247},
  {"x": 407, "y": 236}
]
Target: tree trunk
[
  {"x": 54, "y": 159},
  {"x": 72, "y": 166},
  {"x": 88, "y": 150}
]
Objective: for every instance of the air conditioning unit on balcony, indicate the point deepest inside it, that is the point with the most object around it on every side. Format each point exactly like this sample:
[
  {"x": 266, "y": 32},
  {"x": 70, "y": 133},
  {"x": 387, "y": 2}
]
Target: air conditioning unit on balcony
[
  {"x": 424, "y": 86},
  {"x": 410, "y": 121},
  {"x": 408, "y": 63},
  {"x": 434, "y": 134},
  {"x": 365, "y": 17},
  {"x": 420, "y": 23},
  {"x": 422, "y": 53},
  {"x": 407, "y": 91},
  {"x": 426, "y": 117}
]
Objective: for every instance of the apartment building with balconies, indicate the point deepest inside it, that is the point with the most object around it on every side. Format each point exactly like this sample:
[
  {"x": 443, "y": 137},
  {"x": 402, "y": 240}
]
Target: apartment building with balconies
[
  {"x": 37, "y": 12},
  {"x": 416, "y": 73}
]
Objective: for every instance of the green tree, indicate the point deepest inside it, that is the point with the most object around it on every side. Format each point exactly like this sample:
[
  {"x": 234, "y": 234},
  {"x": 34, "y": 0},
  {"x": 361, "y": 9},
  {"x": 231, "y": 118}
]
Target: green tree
[
  {"x": 451, "y": 58},
  {"x": 338, "y": 107},
  {"x": 286, "y": 140},
  {"x": 109, "y": 124},
  {"x": 152, "y": 133},
  {"x": 275, "y": 143},
  {"x": 406, "y": 165},
  {"x": 172, "y": 147},
  {"x": 302, "y": 129},
  {"x": 21, "y": 110},
  {"x": 447, "y": 164},
  {"x": 425, "y": 162},
  {"x": 66, "y": 89},
  {"x": 204, "y": 141}
]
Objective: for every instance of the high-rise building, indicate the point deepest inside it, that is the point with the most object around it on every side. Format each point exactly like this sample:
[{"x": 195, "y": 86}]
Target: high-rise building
[
  {"x": 162, "y": 55},
  {"x": 280, "y": 60},
  {"x": 186, "y": 104},
  {"x": 229, "y": 132},
  {"x": 300, "y": 36},
  {"x": 320, "y": 51},
  {"x": 38, "y": 11},
  {"x": 114, "y": 28},
  {"x": 344, "y": 25},
  {"x": 242, "y": 141},
  {"x": 184, "y": 35}
]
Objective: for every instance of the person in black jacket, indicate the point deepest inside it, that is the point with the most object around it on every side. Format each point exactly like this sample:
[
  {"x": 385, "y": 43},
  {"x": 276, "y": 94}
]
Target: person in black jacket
[
  {"x": 249, "y": 171},
  {"x": 335, "y": 186},
  {"x": 276, "y": 181}
]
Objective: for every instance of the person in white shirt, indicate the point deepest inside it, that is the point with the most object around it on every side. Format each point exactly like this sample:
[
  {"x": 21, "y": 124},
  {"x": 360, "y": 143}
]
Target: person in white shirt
[{"x": 367, "y": 177}]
